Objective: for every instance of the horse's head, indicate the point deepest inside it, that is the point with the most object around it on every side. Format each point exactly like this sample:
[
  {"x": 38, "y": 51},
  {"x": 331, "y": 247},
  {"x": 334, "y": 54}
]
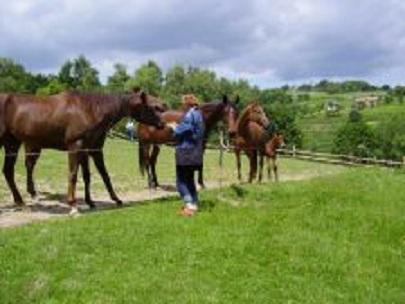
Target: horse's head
[
  {"x": 230, "y": 115},
  {"x": 255, "y": 113},
  {"x": 141, "y": 109},
  {"x": 279, "y": 140},
  {"x": 159, "y": 105}
]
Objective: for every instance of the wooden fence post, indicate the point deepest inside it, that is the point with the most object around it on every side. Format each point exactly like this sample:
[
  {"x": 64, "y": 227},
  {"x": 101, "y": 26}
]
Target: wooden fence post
[
  {"x": 293, "y": 151},
  {"x": 221, "y": 157}
]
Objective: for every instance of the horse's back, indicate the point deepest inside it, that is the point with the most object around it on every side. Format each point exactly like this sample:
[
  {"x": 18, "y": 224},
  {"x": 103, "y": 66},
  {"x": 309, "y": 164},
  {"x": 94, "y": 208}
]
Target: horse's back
[{"x": 44, "y": 121}]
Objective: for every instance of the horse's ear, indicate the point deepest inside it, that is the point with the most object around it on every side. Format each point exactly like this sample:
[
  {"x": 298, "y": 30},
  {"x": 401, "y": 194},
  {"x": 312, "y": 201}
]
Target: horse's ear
[
  {"x": 237, "y": 99},
  {"x": 144, "y": 97},
  {"x": 225, "y": 99}
]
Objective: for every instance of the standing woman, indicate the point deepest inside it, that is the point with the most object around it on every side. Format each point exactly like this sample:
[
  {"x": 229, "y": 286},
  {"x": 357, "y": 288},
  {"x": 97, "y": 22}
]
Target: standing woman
[{"x": 189, "y": 134}]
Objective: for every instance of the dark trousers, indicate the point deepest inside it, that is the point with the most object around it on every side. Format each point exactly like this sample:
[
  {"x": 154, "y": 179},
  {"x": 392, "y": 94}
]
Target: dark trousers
[{"x": 186, "y": 185}]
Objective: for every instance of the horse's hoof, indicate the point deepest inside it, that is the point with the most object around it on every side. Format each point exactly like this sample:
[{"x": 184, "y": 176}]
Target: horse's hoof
[
  {"x": 91, "y": 205},
  {"x": 74, "y": 211},
  {"x": 22, "y": 207},
  {"x": 200, "y": 186},
  {"x": 119, "y": 203},
  {"x": 35, "y": 199}
]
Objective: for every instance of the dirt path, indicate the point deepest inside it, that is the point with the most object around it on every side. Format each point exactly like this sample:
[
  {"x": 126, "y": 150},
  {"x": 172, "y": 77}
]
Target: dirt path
[{"x": 45, "y": 208}]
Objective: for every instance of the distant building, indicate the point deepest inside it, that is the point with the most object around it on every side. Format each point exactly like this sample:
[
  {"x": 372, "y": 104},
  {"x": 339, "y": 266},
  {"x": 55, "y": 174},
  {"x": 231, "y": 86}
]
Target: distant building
[
  {"x": 332, "y": 107},
  {"x": 367, "y": 102}
]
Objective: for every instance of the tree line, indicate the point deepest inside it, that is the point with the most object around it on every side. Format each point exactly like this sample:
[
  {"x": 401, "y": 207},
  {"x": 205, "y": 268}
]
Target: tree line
[{"x": 79, "y": 74}]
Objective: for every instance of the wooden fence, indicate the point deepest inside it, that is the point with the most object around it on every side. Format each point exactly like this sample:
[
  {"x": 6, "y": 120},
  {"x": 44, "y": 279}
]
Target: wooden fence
[
  {"x": 328, "y": 158},
  {"x": 339, "y": 159}
]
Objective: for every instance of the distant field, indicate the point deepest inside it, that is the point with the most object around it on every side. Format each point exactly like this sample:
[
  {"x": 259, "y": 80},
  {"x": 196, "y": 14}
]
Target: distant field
[
  {"x": 319, "y": 130},
  {"x": 335, "y": 239}
]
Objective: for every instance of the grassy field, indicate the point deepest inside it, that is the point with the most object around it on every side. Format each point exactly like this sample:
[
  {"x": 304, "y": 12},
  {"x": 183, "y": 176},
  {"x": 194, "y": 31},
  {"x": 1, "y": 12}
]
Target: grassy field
[
  {"x": 122, "y": 163},
  {"x": 334, "y": 239}
]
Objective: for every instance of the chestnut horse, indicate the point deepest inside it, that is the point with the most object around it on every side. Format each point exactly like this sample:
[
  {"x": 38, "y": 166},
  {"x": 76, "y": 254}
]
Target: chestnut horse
[
  {"x": 32, "y": 155},
  {"x": 250, "y": 136},
  {"x": 269, "y": 151},
  {"x": 71, "y": 121},
  {"x": 213, "y": 112}
]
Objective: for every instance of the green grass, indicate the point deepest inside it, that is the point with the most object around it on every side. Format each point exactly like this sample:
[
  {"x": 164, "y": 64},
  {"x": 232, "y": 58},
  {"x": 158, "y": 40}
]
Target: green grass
[{"x": 335, "y": 239}]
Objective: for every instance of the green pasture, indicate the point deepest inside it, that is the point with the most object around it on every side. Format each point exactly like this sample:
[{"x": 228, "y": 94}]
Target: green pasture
[
  {"x": 338, "y": 238},
  {"x": 122, "y": 163}
]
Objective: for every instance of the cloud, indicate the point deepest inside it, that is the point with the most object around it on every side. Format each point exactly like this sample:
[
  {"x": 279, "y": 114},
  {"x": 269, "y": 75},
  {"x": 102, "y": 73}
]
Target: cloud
[{"x": 269, "y": 42}]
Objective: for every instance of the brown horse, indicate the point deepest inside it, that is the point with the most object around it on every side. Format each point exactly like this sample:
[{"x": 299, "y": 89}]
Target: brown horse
[
  {"x": 32, "y": 155},
  {"x": 72, "y": 121},
  {"x": 250, "y": 136},
  {"x": 269, "y": 151},
  {"x": 150, "y": 137}
]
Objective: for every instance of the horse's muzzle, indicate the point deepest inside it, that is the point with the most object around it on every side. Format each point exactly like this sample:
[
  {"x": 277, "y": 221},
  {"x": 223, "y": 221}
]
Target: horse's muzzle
[
  {"x": 160, "y": 125},
  {"x": 232, "y": 134}
]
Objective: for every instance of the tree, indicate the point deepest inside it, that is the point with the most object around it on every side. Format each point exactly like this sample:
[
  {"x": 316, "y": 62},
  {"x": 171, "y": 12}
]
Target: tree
[
  {"x": 355, "y": 138},
  {"x": 269, "y": 96},
  {"x": 117, "y": 81},
  {"x": 174, "y": 85},
  {"x": 149, "y": 77},
  {"x": 355, "y": 116},
  {"x": 246, "y": 92},
  {"x": 399, "y": 93},
  {"x": 284, "y": 117},
  {"x": 53, "y": 87},
  {"x": 79, "y": 74},
  {"x": 13, "y": 77},
  {"x": 391, "y": 138},
  {"x": 202, "y": 83}
]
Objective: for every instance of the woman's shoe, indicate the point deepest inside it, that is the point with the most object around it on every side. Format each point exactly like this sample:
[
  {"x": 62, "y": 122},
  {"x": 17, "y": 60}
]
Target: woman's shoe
[{"x": 187, "y": 211}]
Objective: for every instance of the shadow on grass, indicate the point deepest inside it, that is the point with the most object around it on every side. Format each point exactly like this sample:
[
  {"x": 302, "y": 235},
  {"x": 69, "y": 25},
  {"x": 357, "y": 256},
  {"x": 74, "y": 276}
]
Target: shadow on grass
[
  {"x": 55, "y": 204},
  {"x": 238, "y": 190}
]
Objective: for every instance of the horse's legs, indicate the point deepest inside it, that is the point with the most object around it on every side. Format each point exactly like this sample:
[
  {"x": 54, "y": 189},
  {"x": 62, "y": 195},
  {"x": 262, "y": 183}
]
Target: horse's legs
[
  {"x": 98, "y": 158},
  {"x": 10, "y": 158},
  {"x": 74, "y": 161},
  {"x": 268, "y": 167},
  {"x": 84, "y": 162},
  {"x": 147, "y": 160},
  {"x": 261, "y": 156},
  {"x": 252, "y": 154},
  {"x": 153, "y": 161},
  {"x": 31, "y": 158},
  {"x": 238, "y": 163},
  {"x": 201, "y": 176},
  {"x": 275, "y": 168}
]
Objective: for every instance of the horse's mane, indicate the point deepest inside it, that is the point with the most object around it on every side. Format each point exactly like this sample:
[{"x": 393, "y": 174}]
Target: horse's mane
[
  {"x": 243, "y": 114},
  {"x": 100, "y": 103}
]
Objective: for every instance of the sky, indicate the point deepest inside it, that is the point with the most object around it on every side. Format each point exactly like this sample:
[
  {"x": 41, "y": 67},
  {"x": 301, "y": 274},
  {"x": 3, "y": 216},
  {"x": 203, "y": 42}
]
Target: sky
[{"x": 270, "y": 43}]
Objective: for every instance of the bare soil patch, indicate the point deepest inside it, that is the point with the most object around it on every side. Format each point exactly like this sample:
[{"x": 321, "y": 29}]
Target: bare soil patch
[{"x": 48, "y": 205}]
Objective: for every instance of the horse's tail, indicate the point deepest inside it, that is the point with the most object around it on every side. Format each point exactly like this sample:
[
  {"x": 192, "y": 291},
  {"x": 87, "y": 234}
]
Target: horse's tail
[{"x": 141, "y": 157}]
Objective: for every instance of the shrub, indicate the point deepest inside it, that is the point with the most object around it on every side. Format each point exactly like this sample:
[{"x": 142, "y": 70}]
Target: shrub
[
  {"x": 355, "y": 138},
  {"x": 391, "y": 138}
]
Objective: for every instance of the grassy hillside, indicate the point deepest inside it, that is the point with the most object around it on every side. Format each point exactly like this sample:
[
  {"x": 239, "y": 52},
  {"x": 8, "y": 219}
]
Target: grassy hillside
[
  {"x": 338, "y": 239},
  {"x": 319, "y": 129}
]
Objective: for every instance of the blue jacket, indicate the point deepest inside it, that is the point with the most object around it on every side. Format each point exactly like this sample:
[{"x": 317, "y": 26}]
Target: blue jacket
[{"x": 189, "y": 134}]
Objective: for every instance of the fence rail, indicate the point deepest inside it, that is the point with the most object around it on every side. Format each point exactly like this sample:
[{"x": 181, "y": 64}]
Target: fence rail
[
  {"x": 328, "y": 158},
  {"x": 339, "y": 159}
]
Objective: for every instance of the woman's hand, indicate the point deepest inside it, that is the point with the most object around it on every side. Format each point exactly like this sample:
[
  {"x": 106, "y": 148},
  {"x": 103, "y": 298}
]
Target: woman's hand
[{"x": 172, "y": 125}]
